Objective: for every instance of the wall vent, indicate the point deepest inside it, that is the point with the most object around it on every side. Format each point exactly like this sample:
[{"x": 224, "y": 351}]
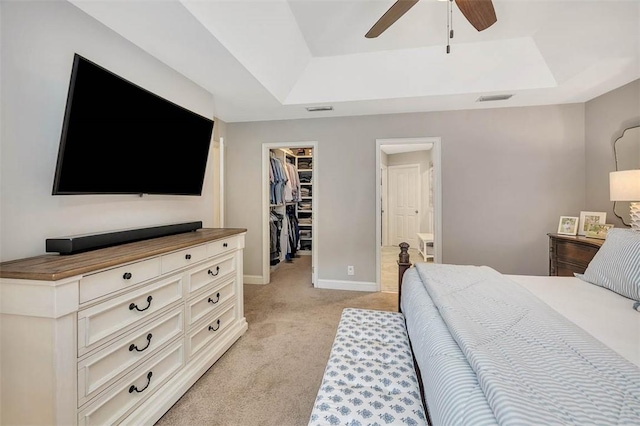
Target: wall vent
[
  {"x": 320, "y": 108},
  {"x": 493, "y": 98}
]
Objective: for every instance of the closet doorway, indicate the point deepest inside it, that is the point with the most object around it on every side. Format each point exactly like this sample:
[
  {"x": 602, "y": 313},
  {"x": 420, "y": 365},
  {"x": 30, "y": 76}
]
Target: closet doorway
[
  {"x": 289, "y": 205},
  {"x": 408, "y": 204}
]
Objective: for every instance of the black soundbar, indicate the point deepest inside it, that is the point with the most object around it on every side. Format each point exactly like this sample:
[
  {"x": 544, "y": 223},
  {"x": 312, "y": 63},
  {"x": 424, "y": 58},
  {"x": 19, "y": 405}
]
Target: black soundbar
[{"x": 81, "y": 243}]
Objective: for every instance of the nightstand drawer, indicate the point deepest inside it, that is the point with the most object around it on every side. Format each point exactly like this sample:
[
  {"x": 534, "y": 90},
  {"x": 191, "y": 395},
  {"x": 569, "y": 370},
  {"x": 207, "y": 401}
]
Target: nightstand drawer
[
  {"x": 579, "y": 254},
  {"x": 210, "y": 330},
  {"x": 200, "y": 277},
  {"x": 134, "y": 388},
  {"x": 107, "y": 320},
  {"x": 201, "y": 306},
  {"x": 96, "y": 372},
  {"x": 112, "y": 280},
  {"x": 563, "y": 269},
  {"x": 571, "y": 254},
  {"x": 182, "y": 258}
]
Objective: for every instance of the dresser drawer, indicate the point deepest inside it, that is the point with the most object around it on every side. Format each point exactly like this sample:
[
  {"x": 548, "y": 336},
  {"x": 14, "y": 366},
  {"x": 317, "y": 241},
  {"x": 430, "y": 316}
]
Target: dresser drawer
[
  {"x": 112, "y": 280},
  {"x": 182, "y": 258},
  {"x": 210, "y": 272},
  {"x": 210, "y": 330},
  {"x": 202, "y": 305},
  {"x": 98, "y": 371},
  {"x": 107, "y": 320},
  {"x": 215, "y": 248},
  {"x": 121, "y": 398}
]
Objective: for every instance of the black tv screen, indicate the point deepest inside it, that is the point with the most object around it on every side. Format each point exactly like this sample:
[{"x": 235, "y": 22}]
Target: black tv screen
[{"x": 118, "y": 138}]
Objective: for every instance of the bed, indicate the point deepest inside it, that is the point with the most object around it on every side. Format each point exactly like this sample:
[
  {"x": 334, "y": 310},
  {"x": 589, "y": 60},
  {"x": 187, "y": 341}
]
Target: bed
[{"x": 507, "y": 349}]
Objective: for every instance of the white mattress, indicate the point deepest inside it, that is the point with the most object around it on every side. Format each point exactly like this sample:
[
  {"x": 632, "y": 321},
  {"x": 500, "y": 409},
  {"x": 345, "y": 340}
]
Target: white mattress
[{"x": 607, "y": 316}]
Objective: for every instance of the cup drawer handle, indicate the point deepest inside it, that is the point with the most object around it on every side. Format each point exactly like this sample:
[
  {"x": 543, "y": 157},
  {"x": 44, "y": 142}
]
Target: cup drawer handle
[
  {"x": 134, "y": 388},
  {"x": 215, "y": 301},
  {"x": 134, "y": 306},
  {"x": 133, "y": 346},
  {"x": 217, "y": 328}
]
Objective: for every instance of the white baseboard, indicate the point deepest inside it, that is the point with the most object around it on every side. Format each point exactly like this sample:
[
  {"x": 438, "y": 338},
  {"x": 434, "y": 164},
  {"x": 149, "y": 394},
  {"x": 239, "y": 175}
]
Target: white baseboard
[
  {"x": 347, "y": 285},
  {"x": 254, "y": 279}
]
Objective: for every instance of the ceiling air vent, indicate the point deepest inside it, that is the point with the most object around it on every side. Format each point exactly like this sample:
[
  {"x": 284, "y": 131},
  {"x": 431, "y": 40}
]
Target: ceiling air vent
[
  {"x": 493, "y": 98},
  {"x": 320, "y": 108}
]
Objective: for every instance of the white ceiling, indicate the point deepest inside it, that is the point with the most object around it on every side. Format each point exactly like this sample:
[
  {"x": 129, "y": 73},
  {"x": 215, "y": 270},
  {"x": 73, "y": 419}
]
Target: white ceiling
[{"x": 269, "y": 59}]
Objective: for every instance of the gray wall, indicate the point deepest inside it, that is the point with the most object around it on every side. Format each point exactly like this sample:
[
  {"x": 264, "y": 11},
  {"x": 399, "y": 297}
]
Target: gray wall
[
  {"x": 508, "y": 174},
  {"x": 38, "y": 41},
  {"x": 606, "y": 117}
]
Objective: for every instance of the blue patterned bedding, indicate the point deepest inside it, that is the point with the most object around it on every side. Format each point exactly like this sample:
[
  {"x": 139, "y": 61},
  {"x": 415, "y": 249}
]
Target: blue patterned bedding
[
  {"x": 369, "y": 379},
  {"x": 490, "y": 352}
]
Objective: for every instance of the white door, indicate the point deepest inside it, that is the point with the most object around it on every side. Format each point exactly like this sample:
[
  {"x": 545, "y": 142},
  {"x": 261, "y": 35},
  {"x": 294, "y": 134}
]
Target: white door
[
  {"x": 404, "y": 204},
  {"x": 384, "y": 204}
]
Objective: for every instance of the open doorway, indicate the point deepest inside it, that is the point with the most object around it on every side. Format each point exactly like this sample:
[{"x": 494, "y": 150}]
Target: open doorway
[
  {"x": 289, "y": 212},
  {"x": 408, "y": 204}
]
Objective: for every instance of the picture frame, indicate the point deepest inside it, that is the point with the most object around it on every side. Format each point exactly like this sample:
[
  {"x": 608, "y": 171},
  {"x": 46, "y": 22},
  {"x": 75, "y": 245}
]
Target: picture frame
[
  {"x": 568, "y": 225},
  {"x": 598, "y": 230},
  {"x": 589, "y": 218}
]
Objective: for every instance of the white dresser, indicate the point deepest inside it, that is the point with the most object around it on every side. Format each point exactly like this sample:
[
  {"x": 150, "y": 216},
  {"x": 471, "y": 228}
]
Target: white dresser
[{"x": 117, "y": 335}]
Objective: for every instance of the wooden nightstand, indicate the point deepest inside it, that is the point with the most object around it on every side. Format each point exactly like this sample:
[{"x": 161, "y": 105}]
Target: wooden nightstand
[{"x": 570, "y": 254}]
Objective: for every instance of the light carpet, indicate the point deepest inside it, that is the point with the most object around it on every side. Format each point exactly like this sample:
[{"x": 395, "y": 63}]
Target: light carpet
[{"x": 271, "y": 375}]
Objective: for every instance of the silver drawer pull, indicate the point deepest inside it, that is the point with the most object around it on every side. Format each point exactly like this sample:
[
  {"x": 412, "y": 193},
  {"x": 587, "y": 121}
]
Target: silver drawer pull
[
  {"x": 134, "y": 306},
  {"x": 215, "y": 329},
  {"x": 133, "y": 346},
  {"x": 217, "y": 272},
  {"x": 134, "y": 388},
  {"x": 215, "y": 301}
]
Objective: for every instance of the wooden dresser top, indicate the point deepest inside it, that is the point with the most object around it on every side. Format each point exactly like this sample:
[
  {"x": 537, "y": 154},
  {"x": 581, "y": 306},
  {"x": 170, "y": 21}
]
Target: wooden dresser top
[
  {"x": 578, "y": 239},
  {"x": 53, "y": 267}
]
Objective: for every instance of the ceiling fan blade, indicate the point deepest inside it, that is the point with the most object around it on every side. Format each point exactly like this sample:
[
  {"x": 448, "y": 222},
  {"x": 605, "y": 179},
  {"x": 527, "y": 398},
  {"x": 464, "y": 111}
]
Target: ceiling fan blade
[
  {"x": 479, "y": 13},
  {"x": 394, "y": 13}
]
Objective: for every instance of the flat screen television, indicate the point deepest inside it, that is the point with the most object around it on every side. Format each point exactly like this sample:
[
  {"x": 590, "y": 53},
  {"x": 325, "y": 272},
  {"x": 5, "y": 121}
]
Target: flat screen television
[{"x": 118, "y": 138}]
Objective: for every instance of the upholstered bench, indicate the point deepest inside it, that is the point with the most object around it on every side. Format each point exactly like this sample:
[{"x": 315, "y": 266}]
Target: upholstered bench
[{"x": 370, "y": 378}]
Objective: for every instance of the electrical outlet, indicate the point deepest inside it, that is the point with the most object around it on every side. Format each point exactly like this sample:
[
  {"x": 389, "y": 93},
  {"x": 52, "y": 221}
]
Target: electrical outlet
[{"x": 350, "y": 270}]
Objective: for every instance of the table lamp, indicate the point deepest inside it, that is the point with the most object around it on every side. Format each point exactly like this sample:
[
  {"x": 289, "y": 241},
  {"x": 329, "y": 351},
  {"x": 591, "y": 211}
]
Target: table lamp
[{"x": 625, "y": 186}]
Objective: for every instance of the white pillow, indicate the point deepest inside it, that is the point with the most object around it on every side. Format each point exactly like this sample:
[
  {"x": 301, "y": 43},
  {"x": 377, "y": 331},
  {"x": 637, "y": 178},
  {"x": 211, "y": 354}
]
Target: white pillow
[{"x": 616, "y": 265}]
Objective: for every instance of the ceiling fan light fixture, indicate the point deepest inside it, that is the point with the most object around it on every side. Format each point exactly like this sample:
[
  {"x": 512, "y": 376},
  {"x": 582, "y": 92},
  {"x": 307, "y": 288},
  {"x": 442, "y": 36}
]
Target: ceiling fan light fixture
[
  {"x": 490, "y": 98},
  {"x": 320, "y": 108}
]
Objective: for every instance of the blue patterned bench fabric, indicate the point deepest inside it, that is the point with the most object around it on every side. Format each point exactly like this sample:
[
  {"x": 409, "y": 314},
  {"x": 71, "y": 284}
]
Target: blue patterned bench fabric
[{"x": 370, "y": 378}]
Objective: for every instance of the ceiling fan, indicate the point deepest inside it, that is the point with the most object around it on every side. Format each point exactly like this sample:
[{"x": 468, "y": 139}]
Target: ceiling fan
[{"x": 479, "y": 13}]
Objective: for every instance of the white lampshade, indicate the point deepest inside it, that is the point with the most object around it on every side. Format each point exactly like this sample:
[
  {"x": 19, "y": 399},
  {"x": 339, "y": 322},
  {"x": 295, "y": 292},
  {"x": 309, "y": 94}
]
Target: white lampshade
[{"x": 624, "y": 185}]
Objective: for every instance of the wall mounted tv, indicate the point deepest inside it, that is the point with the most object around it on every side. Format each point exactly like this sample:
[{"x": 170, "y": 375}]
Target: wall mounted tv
[{"x": 118, "y": 138}]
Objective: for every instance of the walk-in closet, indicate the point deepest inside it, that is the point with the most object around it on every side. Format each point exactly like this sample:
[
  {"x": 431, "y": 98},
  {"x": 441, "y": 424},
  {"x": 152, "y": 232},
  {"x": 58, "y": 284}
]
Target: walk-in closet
[{"x": 291, "y": 213}]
